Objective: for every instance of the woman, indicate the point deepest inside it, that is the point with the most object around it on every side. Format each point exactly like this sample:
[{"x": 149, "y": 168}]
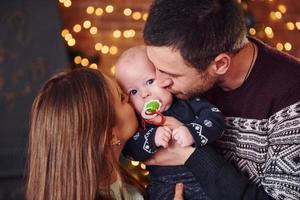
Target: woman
[{"x": 80, "y": 121}]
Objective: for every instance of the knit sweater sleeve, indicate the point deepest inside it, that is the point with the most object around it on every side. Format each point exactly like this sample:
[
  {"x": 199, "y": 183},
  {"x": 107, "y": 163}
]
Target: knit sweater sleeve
[
  {"x": 208, "y": 124},
  {"x": 219, "y": 179},
  {"x": 141, "y": 146}
]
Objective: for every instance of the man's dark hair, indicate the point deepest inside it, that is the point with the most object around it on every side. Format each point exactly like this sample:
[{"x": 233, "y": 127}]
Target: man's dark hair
[{"x": 199, "y": 29}]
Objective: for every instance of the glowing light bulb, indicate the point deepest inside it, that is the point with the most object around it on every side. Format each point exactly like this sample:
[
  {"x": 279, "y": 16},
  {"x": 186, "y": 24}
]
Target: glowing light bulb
[
  {"x": 282, "y": 8},
  {"x": 85, "y": 62},
  {"x": 145, "y": 16},
  {"x": 113, "y": 72},
  {"x": 117, "y": 34},
  {"x": 68, "y": 36},
  {"x": 77, "y": 28},
  {"x": 105, "y": 49},
  {"x": 297, "y": 25},
  {"x": 87, "y": 24},
  {"x": 64, "y": 32},
  {"x": 77, "y": 60},
  {"x": 290, "y": 26},
  {"x": 94, "y": 66},
  {"x": 278, "y": 15},
  {"x": 98, "y": 46},
  {"x": 93, "y": 30},
  {"x": 113, "y": 50},
  {"x": 67, "y": 3},
  {"x": 127, "y": 11},
  {"x": 136, "y": 15},
  {"x": 71, "y": 42},
  {"x": 109, "y": 9},
  {"x": 143, "y": 166},
  {"x": 90, "y": 10},
  {"x": 279, "y": 46},
  {"x": 252, "y": 31},
  {"x": 99, "y": 11},
  {"x": 135, "y": 163},
  {"x": 288, "y": 46}
]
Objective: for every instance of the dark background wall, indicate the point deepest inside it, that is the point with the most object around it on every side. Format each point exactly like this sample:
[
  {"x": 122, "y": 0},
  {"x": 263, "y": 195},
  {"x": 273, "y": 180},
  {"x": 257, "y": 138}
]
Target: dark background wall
[{"x": 31, "y": 51}]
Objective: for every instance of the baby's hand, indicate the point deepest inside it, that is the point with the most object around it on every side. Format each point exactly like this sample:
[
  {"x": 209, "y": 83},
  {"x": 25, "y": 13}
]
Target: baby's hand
[
  {"x": 172, "y": 122},
  {"x": 183, "y": 136},
  {"x": 162, "y": 136}
]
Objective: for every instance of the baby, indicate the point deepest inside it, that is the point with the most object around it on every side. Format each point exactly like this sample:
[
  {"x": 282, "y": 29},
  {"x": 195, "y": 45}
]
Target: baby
[{"x": 164, "y": 118}]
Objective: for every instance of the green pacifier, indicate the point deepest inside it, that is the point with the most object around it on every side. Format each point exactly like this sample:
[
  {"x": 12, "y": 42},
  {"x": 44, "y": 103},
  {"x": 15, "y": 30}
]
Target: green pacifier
[{"x": 150, "y": 109}]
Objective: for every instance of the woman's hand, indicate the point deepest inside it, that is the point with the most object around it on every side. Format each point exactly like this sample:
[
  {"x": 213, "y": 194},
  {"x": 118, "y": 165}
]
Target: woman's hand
[
  {"x": 173, "y": 155},
  {"x": 179, "y": 192}
]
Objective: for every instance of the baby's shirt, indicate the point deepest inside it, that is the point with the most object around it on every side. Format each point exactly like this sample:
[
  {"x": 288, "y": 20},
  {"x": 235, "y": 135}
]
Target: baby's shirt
[{"x": 204, "y": 121}]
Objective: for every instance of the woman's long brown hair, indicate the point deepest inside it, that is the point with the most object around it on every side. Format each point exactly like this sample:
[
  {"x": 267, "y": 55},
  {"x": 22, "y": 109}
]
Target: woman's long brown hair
[{"x": 71, "y": 126}]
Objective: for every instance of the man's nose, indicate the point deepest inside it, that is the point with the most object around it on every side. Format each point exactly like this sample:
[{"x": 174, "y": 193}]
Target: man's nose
[{"x": 163, "y": 80}]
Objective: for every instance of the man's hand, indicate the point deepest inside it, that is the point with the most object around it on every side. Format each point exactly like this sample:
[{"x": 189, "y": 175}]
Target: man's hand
[
  {"x": 183, "y": 136},
  {"x": 173, "y": 155},
  {"x": 162, "y": 136}
]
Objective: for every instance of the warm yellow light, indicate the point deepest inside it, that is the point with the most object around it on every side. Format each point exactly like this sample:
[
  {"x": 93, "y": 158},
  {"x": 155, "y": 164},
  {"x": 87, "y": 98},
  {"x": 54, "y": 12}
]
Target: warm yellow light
[
  {"x": 77, "y": 60},
  {"x": 252, "y": 31},
  {"x": 93, "y": 30},
  {"x": 67, "y": 3},
  {"x": 279, "y": 46},
  {"x": 94, "y": 66},
  {"x": 143, "y": 166},
  {"x": 99, "y": 11},
  {"x": 297, "y": 25},
  {"x": 290, "y": 26},
  {"x": 98, "y": 46},
  {"x": 145, "y": 16},
  {"x": 68, "y": 36},
  {"x": 288, "y": 46},
  {"x": 113, "y": 50},
  {"x": 278, "y": 15},
  {"x": 113, "y": 72},
  {"x": 273, "y": 16},
  {"x": 146, "y": 173},
  {"x": 77, "y": 28},
  {"x": 271, "y": 35},
  {"x": 71, "y": 42},
  {"x": 105, "y": 49},
  {"x": 127, "y": 11},
  {"x": 109, "y": 9},
  {"x": 136, "y": 15},
  {"x": 64, "y": 32},
  {"x": 268, "y": 30},
  {"x": 282, "y": 8},
  {"x": 87, "y": 24},
  {"x": 85, "y": 62},
  {"x": 90, "y": 10},
  {"x": 245, "y": 6},
  {"x": 117, "y": 34},
  {"x": 62, "y": 1},
  {"x": 131, "y": 32},
  {"x": 126, "y": 34},
  {"x": 135, "y": 163}
]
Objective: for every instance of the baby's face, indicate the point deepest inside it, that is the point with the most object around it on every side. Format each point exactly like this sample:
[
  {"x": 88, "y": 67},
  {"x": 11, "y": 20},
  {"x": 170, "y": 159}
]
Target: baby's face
[{"x": 138, "y": 80}]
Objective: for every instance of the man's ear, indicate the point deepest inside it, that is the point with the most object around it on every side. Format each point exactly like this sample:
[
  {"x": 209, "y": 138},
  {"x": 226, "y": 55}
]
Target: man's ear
[{"x": 221, "y": 64}]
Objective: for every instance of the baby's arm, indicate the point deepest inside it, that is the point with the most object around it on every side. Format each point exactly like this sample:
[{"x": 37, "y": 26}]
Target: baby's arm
[
  {"x": 141, "y": 145},
  {"x": 208, "y": 124},
  {"x": 146, "y": 142}
]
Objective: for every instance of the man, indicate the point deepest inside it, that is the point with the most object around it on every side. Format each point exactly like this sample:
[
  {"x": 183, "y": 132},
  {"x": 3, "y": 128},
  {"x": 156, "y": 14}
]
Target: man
[{"x": 201, "y": 47}]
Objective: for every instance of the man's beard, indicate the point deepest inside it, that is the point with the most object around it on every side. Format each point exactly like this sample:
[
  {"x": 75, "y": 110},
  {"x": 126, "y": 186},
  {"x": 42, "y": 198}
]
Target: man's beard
[{"x": 205, "y": 83}]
